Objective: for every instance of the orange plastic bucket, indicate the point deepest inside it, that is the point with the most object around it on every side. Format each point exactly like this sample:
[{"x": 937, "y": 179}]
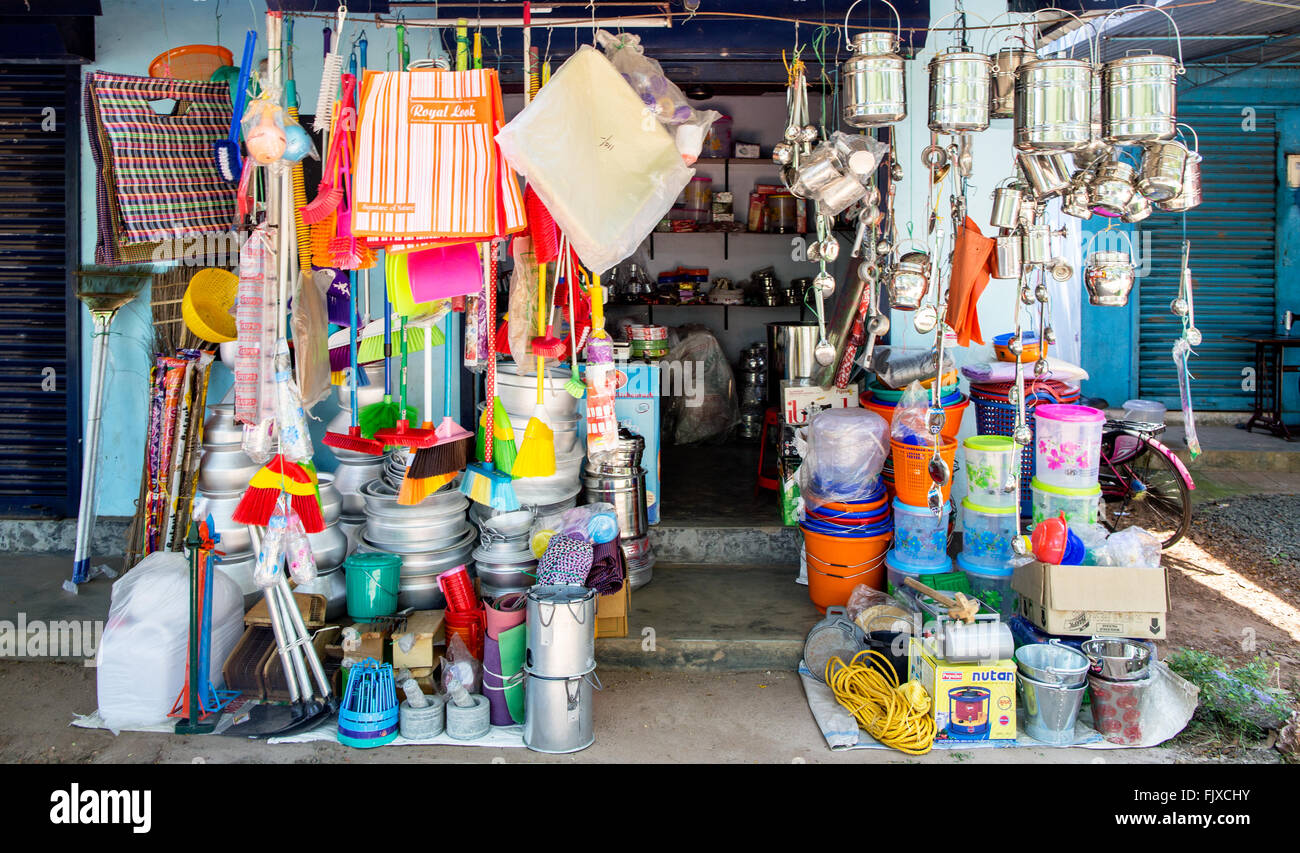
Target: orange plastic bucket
[
  {"x": 837, "y": 564},
  {"x": 911, "y": 470},
  {"x": 951, "y": 422}
]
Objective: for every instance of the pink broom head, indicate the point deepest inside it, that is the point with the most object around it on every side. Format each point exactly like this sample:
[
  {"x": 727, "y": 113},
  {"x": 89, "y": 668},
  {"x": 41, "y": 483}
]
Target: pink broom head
[{"x": 327, "y": 200}]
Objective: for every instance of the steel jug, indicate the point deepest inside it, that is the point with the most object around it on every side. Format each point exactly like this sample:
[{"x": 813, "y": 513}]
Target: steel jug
[
  {"x": 1109, "y": 276},
  {"x": 909, "y": 281}
]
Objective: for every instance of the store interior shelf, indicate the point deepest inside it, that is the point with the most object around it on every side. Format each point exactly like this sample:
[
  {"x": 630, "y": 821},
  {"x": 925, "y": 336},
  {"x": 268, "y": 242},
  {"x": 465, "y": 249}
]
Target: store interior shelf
[{"x": 726, "y": 309}]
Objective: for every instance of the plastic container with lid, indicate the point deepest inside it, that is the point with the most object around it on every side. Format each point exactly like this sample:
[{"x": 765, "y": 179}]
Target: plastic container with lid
[
  {"x": 1067, "y": 445},
  {"x": 987, "y": 534},
  {"x": 989, "y": 463},
  {"x": 921, "y": 537},
  {"x": 1144, "y": 411},
  {"x": 898, "y": 569},
  {"x": 1079, "y": 505},
  {"x": 991, "y": 586}
]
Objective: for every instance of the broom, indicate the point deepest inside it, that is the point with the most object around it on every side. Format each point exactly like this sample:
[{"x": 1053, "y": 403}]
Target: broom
[
  {"x": 573, "y": 385},
  {"x": 402, "y": 434},
  {"x": 385, "y": 413},
  {"x": 483, "y": 483},
  {"x": 537, "y": 453},
  {"x": 438, "y": 464},
  {"x": 352, "y": 439},
  {"x": 271, "y": 480},
  {"x": 602, "y": 422}
]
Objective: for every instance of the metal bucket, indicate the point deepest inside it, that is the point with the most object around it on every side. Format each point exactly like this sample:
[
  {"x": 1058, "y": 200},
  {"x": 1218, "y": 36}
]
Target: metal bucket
[
  {"x": 1190, "y": 194},
  {"x": 558, "y": 712},
  {"x": 1007, "y": 256},
  {"x": 1053, "y": 105},
  {"x": 561, "y": 631},
  {"x": 1050, "y": 709},
  {"x": 960, "y": 91},
  {"x": 1139, "y": 96},
  {"x": 1117, "y": 659},
  {"x": 1161, "y": 175},
  {"x": 1006, "y": 206},
  {"x": 626, "y": 493},
  {"x": 1003, "y": 79},
  {"x": 791, "y": 347},
  {"x": 1052, "y": 663}
]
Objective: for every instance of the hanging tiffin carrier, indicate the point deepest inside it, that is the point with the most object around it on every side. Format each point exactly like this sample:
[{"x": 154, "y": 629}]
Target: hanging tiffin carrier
[
  {"x": 1006, "y": 61},
  {"x": 1053, "y": 103},
  {"x": 909, "y": 280},
  {"x": 961, "y": 87},
  {"x": 1139, "y": 92},
  {"x": 1109, "y": 276},
  {"x": 875, "y": 76}
]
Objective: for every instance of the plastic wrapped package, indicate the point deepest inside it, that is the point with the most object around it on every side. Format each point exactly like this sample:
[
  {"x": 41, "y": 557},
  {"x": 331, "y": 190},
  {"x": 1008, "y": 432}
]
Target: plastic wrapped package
[
  {"x": 708, "y": 408},
  {"x": 660, "y": 95},
  {"x": 897, "y": 367},
  {"x": 873, "y": 610},
  {"x": 461, "y": 671},
  {"x": 910, "y": 415},
  {"x": 1133, "y": 547},
  {"x": 846, "y": 450},
  {"x": 521, "y": 318},
  {"x": 596, "y": 523},
  {"x": 311, "y": 332},
  {"x": 606, "y": 175},
  {"x": 140, "y": 666}
]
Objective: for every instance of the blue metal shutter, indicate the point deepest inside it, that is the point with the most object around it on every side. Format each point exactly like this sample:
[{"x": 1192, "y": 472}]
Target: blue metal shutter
[
  {"x": 1232, "y": 262},
  {"x": 40, "y": 413}
]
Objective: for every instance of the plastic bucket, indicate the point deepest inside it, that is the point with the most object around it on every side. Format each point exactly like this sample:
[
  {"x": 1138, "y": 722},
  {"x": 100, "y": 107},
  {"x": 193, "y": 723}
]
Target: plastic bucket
[
  {"x": 989, "y": 463},
  {"x": 1050, "y": 709},
  {"x": 954, "y": 407},
  {"x": 1116, "y": 708},
  {"x": 1067, "y": 445},
  {"x": 838, "y": 563},
  {"x": 373, "y": 584},
  {"x": 991, "y": 586},
  {"x": 921, "y": 537},
  {"x": 1079, "y": 505},
  {"x": 987, "y": 534},
  {"x": 912, "y": 470}
]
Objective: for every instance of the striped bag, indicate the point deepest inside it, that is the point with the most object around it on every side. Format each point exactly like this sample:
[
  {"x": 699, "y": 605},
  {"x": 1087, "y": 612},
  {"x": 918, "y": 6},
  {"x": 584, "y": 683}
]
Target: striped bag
[
  {"x": 427, "y": 164},
  {"x": 164, "y": 182}
]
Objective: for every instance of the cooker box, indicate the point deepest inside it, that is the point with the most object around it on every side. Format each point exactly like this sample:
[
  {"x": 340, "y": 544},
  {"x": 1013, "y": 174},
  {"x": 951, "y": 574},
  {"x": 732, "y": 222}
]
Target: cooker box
[
  {"x": 968, "y": 701},
  {"x": 1086, "y": 601},
  {"x": 798, "y": 402},
  {"x": 425, "y": 629}
]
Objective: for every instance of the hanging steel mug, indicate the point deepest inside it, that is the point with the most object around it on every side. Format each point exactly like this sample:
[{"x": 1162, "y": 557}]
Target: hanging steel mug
[
  {"x": 875, "y": 77},
  {"x": 1190, "y": 194},
  {"x": 1007, "y": 256},
  {"x": 1006, "y": 205}
]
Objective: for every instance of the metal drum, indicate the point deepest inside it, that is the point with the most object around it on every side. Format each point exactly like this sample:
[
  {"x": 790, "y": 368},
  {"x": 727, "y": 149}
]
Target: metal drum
[
  {"x": 561, "y": 631},
  {"x": 558, "y": 712},
  {"x": 1002, "y": 103},
  {"x": 626, "y": 492},
  {"x": 1053, "y": 105},
  {"x": 875, "y": 77},
  {"x": 960, "y": 91}
]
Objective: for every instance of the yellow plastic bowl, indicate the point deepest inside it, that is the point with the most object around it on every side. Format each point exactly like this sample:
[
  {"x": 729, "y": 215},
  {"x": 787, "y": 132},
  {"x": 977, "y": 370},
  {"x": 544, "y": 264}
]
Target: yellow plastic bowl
[{"x": 207, "y": 303}]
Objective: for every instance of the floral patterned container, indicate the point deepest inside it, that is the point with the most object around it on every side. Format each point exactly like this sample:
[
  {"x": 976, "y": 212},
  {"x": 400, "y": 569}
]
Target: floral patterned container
[
  {"x": 991, "y": 586},
  {"x": 1079, "y": 505},
  {"x": 921, "y": 537},
  {"x": 987, "y": 533},
  {"x": 1067, "y": 445},
  {"x": 989, "y": 459}
]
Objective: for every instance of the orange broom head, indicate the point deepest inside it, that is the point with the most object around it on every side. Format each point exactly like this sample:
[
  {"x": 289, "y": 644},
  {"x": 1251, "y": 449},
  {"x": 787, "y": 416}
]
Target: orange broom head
[
  {"x": 353, "y": 440},
  {"x": 415, "y": 489},
  {"x": 541, "y": 227}
]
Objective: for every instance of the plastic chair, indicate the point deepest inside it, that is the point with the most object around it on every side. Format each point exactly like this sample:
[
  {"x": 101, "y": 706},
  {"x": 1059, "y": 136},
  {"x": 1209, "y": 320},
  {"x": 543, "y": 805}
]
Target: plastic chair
[{"x": 771, "y": 418}]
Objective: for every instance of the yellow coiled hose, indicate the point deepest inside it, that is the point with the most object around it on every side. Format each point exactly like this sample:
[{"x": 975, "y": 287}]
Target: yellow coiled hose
[{"x": 896, "y": 715}]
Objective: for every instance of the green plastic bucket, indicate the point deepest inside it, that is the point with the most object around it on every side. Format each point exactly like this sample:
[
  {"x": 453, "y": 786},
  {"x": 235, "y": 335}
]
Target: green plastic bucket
[{"x": 373, "y": 581}]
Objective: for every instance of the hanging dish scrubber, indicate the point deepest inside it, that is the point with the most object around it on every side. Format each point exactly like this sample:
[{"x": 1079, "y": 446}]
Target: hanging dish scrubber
[
  {"x": 225, "y": 152},
  {"x": 331, "y": 71}
]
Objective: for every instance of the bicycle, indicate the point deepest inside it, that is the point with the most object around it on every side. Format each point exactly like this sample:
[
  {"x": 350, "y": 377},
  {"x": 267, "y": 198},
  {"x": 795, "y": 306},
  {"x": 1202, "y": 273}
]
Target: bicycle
[{"x": 1143, "y": 483}]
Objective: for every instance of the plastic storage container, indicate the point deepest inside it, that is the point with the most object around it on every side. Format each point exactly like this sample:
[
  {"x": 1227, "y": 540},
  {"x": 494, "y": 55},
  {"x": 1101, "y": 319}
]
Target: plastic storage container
[
  {"x": 1145, "y": 411},
  {"x": 991, "y": 586},
  {"x": 1079, "y": 505},
  {"x": 987, "y": 533},
  {"x": 898, "y": 569},
  {"x": 989, "y": 463},
  {"x": 1067, "y": 445},
  {"x": 921, "y": 537}
]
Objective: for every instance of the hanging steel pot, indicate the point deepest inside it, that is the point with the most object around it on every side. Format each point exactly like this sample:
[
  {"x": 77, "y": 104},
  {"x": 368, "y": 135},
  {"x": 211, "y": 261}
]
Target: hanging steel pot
[
  {"x": 1109, "y": 276},
  {"x": 1006, "y": 204},
  {"x": 1006, "y": 62},
  {"x": 1053, "y": 106},
  {"x": 1037, "y": 244},
  {"x": 1075, "y": 201},
  {"x": 875, "y": 76},
  {"x": 1160, "y": 176},
  {"x": 1111, "y": 190},
  {"x": 1047, "y": 174},
  {"x": 1008, "y": 261},
  {"x": 909, "y": 281},
  {"x": 1189, "y": 195},
  {"x": 1139, "y": 208},
  {"x": 960, "y": 91},
  {"x": 1140, "y": 92}
]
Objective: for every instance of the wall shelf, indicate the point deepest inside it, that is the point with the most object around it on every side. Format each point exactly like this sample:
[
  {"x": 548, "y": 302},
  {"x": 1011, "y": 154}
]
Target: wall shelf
[{"x": 726, "y": 309}]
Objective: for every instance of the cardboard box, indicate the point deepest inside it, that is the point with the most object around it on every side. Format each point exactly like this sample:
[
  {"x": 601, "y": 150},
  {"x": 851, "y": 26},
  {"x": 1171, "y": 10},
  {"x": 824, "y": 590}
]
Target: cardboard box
[
  {"x": 426, "y": 626},
  {"x": 747, "y": 151},
  {"x": 799, "y": 401},
  {"x": 612, "y": 612},
  {"x": 1084, "y": 601},
  {"x": 968, "y": 701}
]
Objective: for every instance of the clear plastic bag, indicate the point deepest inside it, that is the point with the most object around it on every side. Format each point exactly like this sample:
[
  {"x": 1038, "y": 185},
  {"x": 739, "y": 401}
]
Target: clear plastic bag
[
  {"x": 521, "y": 317},
  {"x": 1133, "y": 547},
  {"x": 596, "y": 523},
  {"x": 708, "y": 407},
  {"x": 660, "y": 95},
  {"x": 297, "y": 550},
  {"x": 606, "y": 174},
  {"x": 311, "y": 332},
  {"x": 846, "y": 450},
  {"x": 910, "y": 415},
  {"x": 141, "y": 659},
  {"x": 461, "y": 671},
  {"x": 270, "y": 555},
  {"x": 291, "y": 420},
  {"x": 896, "y": 367}
]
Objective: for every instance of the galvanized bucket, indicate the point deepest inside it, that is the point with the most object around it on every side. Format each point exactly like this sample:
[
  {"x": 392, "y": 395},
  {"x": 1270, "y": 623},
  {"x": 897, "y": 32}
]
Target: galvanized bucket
[
  {"x": 558, "y": 712},
  {"x": 561, "y": 631},
  {"x": 1050, "y": 709}
]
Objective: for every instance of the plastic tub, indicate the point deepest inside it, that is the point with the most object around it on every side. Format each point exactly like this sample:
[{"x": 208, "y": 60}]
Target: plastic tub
[
  {"x": 837, "y": 563},
  {"x": 1079, "y": 505},
  {"x": 921, "y": 537},
  {"x": 912, "y": 469},
  {"x": 991, "y": 586},
  {"x": 989, "y": 463},
  {"x": 954, "y": 408},
  {"x": 1144, "y": 411},
  {"x": 1067, "y": 445},
  {"x": 987, "y": 533},
  {"x": 898, "y": 569}
]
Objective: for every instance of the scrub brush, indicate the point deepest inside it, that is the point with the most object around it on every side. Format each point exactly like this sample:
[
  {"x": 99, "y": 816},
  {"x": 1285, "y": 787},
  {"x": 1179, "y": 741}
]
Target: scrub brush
[
  {"x": 225, "y": 152},
  {"x": 331, "y": 73}
]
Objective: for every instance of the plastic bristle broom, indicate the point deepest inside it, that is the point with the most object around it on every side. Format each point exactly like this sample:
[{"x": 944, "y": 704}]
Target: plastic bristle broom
[
  {"x": 402, "y": 434},
  {"x": 353, "y": 440},
  {"x": 541, "y": 228},
  {"x": 450, "y": 450},
  {"x": 386, "y": 413},
  {"x": 537, "y": 452},
  {"x": 264, "y": 489},
  {"x": 573, "y": 385},
  {"x": 602, "y": 422},
  {"x": 505, "y": 449},
  {"x": 481, "y": 435}
]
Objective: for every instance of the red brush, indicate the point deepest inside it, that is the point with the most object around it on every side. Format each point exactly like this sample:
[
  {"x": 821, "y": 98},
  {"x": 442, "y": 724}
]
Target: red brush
[
  {"x": 280, "y": 476},
  {"x": 541, "y": 227}
]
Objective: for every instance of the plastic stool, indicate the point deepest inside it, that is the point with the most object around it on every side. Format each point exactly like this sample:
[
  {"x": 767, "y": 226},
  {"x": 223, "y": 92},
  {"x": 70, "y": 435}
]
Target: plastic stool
[{"x": 771, "y": 418}]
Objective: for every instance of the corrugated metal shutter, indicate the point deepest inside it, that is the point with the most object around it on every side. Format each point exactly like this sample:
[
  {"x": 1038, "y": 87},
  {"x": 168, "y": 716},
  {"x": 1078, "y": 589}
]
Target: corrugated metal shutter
[
  {"x": 40, "y": 412},
  {"x": 1232, "y": 235}
]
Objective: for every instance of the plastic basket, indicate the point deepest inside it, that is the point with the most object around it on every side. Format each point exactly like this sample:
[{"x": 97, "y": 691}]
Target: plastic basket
[{"x": 911, "y": 469}]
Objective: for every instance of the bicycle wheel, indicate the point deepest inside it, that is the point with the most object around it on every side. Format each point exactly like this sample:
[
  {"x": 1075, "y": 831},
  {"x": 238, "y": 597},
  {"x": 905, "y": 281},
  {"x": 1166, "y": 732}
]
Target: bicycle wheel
[{"x": 1144, "y": 490}]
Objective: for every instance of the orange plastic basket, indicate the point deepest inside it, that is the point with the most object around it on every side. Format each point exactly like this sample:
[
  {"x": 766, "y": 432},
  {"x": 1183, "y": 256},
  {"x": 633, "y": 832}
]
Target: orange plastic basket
[
  {"x": 911, "y": 470},
  {"x": 951, "y": 423},
  {"x": 191, "y": 62}
]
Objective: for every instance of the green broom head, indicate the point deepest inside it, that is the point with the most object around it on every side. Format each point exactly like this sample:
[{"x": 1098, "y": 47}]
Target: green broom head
[
  {"x": 504, "y": 448},
  {"x": 537, "y": 451},
  {"x": 371, "y": 347},
  {"x": 383, "y": 415},
  {"x": 575, "y": 386},
  {"x": 485, "y": 485}
]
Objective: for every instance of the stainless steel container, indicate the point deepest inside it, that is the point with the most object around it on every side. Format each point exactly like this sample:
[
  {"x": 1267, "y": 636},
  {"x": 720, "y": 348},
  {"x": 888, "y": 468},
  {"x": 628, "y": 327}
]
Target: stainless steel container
[
  {"x": 1037, "y": 244},
  {"x": 558, "y": 713},
  {"x": 626, "y": 492},
  {"x": 329, "y": 547},
  {"x": 220, "y": 428},
  {"x": 1111, "y": 188},
  {"x": 1117, "y": 659},
  {"x": 1139, "y": 208},
  {"x": 909, "y": 281},
  {"x": 225, "y": 468},
  {"x": 790, "y": 347},
  {"x": 640, "y": 559},
  {"x": 1053, "y": 105},
  {"x": 1052, "y": 662},
  {"x": 1008, "y": 261},
  {"x": 1075, "y": 201},
  {"x": 561, "y": 631},
  {"x": 1005, "y": 64},
  {"x": 874, "y": 90},
  {"x": 1108, "y": 278},
  {"x": 1139, "y": 97},
  {"x": 960, "y": 91},
  {"x": 1006, "y": 205},
  {"x": 1051, "y": 709},
  {"x": 1189, "y": 194},
  {"x": 1048, "y": 174},
  {"x": 350, "y": 476},
  {"x": 518, "y": 393}
]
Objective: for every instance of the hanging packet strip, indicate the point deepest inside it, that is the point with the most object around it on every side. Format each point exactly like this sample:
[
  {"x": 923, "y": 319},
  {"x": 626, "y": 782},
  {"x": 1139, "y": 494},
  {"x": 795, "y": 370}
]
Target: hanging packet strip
[
  {"x": 255, "y": 316},
  {"x": 427, "y": 166}
]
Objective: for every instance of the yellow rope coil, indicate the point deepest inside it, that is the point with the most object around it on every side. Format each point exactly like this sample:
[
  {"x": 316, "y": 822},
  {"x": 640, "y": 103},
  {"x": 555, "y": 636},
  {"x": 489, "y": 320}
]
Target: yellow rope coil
[{"x": 896, "y": 715}]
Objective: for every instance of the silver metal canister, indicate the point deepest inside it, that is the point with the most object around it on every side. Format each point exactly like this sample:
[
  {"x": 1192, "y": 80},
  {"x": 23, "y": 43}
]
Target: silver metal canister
[
  {"x": 874, "y": 91},
  {"x": 561, "y": 631},
  {"x": 1005, "y": 63},
  {"x": 1053, "y": 104},
  {"x": 960, "y": 91}
]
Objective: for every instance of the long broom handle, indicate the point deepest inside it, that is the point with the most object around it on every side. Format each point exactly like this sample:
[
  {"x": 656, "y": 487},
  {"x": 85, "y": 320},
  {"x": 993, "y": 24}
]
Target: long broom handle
[
  {"x": 401, "y": 410},
  {"x": 90, "y": 452},
  {"x": 352, "y": 339},
  {"x": 541, "y": 328},
  {"x": 428, "y": 375},
  {"x": 446, "y": 368},
  {"x": 491, "y": 381}
]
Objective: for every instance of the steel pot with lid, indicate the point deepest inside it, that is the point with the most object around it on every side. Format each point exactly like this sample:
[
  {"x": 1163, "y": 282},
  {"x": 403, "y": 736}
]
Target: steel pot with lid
[
  {"x": 1111, "y": 189},
  {"x": 1160, "y": 176},
  {"x": 1006, "y": 62},
  {"x": 1140, "y": 91},
  {"x": 1047, "y": 174},
  {"x": 1053, "y": 103},
  {"x": 960, "y": 91},
  {"x": 1189, "y": 195},
  {"x": 909, "y": 281},
  {"x": 1109, "y": 276},
  {"x": 1007, "y": 258},
  {"x": 875, "y": 77}
]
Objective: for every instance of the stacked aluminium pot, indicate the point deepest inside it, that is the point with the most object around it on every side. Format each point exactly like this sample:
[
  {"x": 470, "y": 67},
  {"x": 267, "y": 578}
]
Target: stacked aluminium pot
[
  {"x": 617, "y": 478},
  {"x": 560, "y": 668},
  {"x": 504, "y": 558},
  {"x": 355, "y": 469}
]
